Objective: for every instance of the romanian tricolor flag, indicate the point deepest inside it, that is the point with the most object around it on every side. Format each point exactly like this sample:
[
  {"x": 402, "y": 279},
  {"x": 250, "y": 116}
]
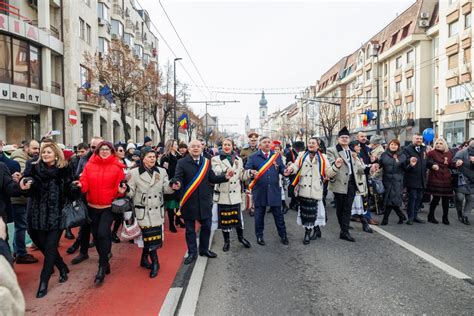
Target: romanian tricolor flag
[{"x": 183, "y": 121}]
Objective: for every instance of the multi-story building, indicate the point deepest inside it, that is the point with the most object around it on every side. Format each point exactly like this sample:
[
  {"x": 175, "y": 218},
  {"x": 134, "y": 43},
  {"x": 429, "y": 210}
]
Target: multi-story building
[
  {"x": 90, "y": 25},
  {"x": 392, "y": 71},
  {"x": 31, "y": 69},
  {"x": 453, "y": 110},
  {"x": 42, "y": 72}
]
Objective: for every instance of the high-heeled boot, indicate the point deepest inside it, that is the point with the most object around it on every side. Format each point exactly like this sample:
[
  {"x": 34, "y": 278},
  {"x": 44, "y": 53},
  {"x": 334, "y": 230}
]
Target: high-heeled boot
[
  {"x": 242, "y": 240},
  {"x": 316, "y": 233},
  {"x": 171, "y": 220},
  {"x": 42, "y": 289},
  {"x": 226, "y": 241},
  {"x": 155, "y": 265},
  {"x": 63, "y": 277},
  {"x": 144, "y": 260},
  {"x": 365, "y": 225},
  {"x": 103, "y": 270},
  {"x": 307, "y": 233}
]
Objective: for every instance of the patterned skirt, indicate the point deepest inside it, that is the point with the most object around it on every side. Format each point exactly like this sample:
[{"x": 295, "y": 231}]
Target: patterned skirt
[
  {"x": 152, "y": 237},
  {"x": 308, "y": 209},
  {"x": 359, "y": 206},
  {"x": 229, "y": 216}
]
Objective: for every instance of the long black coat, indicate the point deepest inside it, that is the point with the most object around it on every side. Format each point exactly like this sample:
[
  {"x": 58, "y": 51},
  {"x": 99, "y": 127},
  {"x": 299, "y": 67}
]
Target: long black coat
[
  {"x": 393, "y": 172},
  {"x": 199, "y": 204},
  {"x": 8, "y": 188},
  {"x": 49, "y": 192},
  {"x": 172, "y": 161},
  {"x": 415, "y": 177}
]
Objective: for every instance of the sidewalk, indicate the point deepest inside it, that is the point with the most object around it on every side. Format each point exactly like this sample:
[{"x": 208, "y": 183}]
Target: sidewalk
[{"x": 128, "y": 290}]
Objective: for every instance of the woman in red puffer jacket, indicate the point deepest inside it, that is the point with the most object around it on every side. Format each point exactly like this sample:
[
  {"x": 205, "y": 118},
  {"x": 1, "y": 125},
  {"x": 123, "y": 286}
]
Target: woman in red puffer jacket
[{"x": 102, "y": 181}]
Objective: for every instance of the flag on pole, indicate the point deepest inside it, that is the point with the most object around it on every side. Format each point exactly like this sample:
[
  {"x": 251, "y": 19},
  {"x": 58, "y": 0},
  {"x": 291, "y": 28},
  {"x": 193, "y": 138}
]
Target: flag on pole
[
  {"x": 106, "y": 93},
  {"x": 87, "y": 87},
  {"x": 183, "y": 121}
]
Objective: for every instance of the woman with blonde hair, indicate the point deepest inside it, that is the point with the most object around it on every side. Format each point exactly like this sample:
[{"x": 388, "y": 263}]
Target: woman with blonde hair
[
  {"x": 51, "y": 179},
  {"x": 439, "y": 181}
]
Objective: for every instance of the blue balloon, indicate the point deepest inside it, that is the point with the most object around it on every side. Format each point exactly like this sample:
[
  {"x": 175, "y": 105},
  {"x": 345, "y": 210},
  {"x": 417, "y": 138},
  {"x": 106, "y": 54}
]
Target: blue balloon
[{"x": 428, "y": 134}]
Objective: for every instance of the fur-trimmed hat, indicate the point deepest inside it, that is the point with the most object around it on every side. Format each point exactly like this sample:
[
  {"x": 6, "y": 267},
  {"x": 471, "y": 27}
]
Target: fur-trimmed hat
[{"x": 343, "y": 132}]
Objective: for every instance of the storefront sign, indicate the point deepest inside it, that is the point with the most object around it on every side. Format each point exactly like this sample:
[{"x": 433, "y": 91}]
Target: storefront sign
[{"x": 21, "y": 94}]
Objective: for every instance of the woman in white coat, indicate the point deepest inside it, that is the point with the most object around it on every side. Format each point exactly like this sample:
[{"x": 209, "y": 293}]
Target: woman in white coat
[
  {"x": 228, "y": 195},
  {"x": 147, "y": 185},
  {"x": 311, "y": 168}
]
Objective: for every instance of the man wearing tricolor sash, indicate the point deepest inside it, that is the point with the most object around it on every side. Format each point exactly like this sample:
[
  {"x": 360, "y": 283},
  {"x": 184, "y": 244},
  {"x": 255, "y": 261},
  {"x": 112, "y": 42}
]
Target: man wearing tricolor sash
[
  {"x": 195, "y": 177},
  {"x": 311, "y": 169},
  {"x": 265, "y": 167}
]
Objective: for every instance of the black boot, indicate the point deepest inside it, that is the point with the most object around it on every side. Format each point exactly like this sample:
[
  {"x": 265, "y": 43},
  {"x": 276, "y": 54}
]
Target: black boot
[
  {"x": 171, "y": 221},
  {"x": 144, "y": 260},
  {"x": 316, "y": 233},
  {"x": 155, "y": 265},
  {"x": 401, "y": 216},
  {"x": 431, "y": 217},
  {"x": 73, "y": 247},
  {"x": 63, "y": 277},
  {"x": 42, "y": 290},
  {"x": 242, "y": 240},
  {"x": 226, "y": 241},
  {"x": 445, "y": 217},
  {"x": 465, "y": 220},
  {"x": 365, "y": 225},
  {"x": 69, "y": 234},
  {"x": 307, "y": 234},
  {"x": 386, "y": 215},
  {"x": 284, "y": 207},
  {"x": 115, "y": 238},
  {"x": 100, "y": 276}
]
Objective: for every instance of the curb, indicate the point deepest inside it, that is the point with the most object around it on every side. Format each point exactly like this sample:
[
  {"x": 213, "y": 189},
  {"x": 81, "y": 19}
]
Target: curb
[{"x": 183, "y": 295}]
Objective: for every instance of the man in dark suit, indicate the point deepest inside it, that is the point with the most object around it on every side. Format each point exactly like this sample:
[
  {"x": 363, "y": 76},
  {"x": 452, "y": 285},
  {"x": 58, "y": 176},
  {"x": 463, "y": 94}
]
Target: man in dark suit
[
  {"x": 267, "y": 191},
  {"x": 199, "y": 205},
  {"x": 415, "y": 176}
]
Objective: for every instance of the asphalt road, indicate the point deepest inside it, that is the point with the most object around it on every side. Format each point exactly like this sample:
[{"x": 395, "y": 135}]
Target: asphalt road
[{"x": 372, "y": 276}]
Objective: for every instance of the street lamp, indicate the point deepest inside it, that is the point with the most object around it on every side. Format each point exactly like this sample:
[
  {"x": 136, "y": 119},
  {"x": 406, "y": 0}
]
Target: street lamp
[{"x": 174, "y": 101}]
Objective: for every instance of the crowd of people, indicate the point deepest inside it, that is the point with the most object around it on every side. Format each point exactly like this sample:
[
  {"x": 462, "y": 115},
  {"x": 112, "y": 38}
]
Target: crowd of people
[{"x": 183, "y": 183}]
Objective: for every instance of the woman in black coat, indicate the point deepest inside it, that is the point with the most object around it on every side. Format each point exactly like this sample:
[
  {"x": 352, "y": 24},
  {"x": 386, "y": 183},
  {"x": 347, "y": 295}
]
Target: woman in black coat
[
  {"x": 169, "y": 161},
  {"x": 51, "y": 186},
  {"x": 392, "y": 163}
]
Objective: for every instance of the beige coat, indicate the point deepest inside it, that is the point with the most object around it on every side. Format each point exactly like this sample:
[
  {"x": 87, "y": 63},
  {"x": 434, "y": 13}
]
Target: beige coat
[
  {"x": 229, "y": 193},
  {"x": 339, "y": 177},
  {"x": 147, "y": 194},
  {"x": 310, "y": 185},
  {"x": 377, "y": 152},
  {"x": 12, "y": 301}
]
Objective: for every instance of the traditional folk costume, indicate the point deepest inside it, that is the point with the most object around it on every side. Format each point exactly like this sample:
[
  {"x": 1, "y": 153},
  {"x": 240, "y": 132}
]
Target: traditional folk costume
[
  {"x": 228, "y": 197},
  {"x": 310, "y": 168}
]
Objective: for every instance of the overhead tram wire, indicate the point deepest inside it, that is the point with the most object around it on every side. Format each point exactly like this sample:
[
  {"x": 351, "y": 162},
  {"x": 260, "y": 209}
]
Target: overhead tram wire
[
  {"x": 172, "y": 51},
  {"x": 184, "y": 46}
]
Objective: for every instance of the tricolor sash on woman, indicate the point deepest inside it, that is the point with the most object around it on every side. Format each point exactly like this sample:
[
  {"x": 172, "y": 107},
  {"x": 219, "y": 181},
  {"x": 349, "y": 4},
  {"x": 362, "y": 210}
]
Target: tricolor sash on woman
[
  {"x": 321, "y": 165},
  {"x": 263, "y": 168},
  {"x": 195, "y": 182}
]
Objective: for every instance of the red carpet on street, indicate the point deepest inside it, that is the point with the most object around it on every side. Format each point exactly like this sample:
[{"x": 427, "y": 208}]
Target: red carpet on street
[{"x": 128, "y": 290}]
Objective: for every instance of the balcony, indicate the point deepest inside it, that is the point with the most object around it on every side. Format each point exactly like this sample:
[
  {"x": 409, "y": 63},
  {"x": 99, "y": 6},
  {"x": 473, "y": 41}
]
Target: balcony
[
  {"x": 53, "y": 31},
  {"x": 83, "y": 96}
]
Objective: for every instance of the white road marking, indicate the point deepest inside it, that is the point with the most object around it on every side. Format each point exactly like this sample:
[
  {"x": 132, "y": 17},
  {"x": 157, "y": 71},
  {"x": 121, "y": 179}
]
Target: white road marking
[
  {"x": 420, "y": 253},
  {"x": 171, "y": 302}
]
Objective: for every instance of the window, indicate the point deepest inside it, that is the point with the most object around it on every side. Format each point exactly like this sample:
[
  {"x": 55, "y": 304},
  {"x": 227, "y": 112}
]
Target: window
[
  {"x": 385, "y": 69},
  {"x": 397, "y": 86},
  {"x": 385, "y": 91},
  {"x": 453, "y": 61},
  {"x": 82, "y": 29},
  {"x": 85, "y": 75},
  {"x": 394, "y": 39},
  {"x": 409, "y": 82},
  {"x": 360, "y": 59},
  {"x": 117, "y": 28},
  {"x": 410, "y": 56},
  {"x": 453, "y": 28},
  {"x": 457, "y": 94},
  {"x": 410, "y": 108},
  {"x": 128, "y": 39},
  {"x": 405, "y": 30},
  {"x": 367, "y": 75},
  {"x": 467, "y": 55},
  {"x": 398, "y": 62},
  {"x": 467, "y": 20},
  {"x": 6, "y": 68},
  {"x": 20, "y": 63},
  {"x": 35, "y": 67},
  {"x": 88, "y": 33},
  {"x": 103, "y": 12},
  {"x": 368, "y": 96},
  {"x": 138, "y": 51},
  {"x": 103, "y": 45}
]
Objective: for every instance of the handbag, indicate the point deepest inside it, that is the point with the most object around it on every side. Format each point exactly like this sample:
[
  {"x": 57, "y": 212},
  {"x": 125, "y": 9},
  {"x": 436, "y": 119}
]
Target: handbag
[
  {"x": 378, "y": 185},
  {"x": 130, "y": 231},
  {"x": 121, "y": 205},
  {"x": 74, "y": 214}
]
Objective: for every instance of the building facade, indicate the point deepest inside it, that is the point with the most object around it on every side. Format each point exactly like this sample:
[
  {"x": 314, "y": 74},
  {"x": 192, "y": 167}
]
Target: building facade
[{"x": 43, "y": 76}]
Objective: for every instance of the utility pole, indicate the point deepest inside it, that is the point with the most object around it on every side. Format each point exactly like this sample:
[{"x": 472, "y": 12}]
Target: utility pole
[{"x": 175, "y": 123}]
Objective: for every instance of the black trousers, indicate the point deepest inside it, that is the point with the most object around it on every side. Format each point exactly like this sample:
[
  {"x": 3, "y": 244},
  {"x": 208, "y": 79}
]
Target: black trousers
[
  {"x": 204, "y": 235},
  {"x": 444, "y": 202},
  {"x": 47, "y": 242},
  {"x": 344, "y": 205},
  {"x": 101, "y": 230}
]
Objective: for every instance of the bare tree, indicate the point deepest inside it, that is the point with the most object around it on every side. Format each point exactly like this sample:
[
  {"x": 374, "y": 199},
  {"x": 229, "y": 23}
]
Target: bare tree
[
  {"x": 397, "y": 119},
  {"x": 121, "y": 72},
  {"x": 329, "y": 120}
]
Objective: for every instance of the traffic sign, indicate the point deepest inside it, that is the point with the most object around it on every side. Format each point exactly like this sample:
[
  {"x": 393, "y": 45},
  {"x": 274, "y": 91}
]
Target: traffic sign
[{"x": 72, "y": 117}]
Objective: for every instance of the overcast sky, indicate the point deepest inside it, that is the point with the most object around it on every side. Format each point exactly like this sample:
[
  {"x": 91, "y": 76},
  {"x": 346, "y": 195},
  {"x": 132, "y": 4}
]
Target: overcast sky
[{"x": 279, "y": 46}]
